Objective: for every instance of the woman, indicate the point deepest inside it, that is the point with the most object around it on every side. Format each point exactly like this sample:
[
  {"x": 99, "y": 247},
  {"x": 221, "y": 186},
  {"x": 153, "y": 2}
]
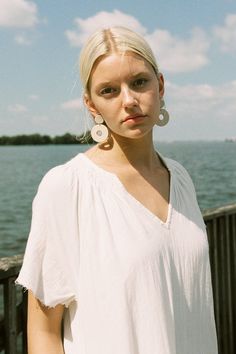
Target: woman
[{"x": 118, "y": 250}]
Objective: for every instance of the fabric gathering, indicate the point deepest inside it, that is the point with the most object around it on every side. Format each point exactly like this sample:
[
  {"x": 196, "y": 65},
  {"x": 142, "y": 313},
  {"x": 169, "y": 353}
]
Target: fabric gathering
[{"x": 130, "y": 283}]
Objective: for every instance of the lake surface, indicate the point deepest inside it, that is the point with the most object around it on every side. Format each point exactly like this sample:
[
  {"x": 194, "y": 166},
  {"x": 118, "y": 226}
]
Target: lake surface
[{"x": 212, "y": 166}]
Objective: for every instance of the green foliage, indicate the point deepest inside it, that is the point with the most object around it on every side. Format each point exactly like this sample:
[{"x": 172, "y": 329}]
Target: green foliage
[{"x": 37, "y": 139}]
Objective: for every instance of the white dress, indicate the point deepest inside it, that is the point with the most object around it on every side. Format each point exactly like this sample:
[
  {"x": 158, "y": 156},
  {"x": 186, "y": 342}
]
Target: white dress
[{"x": 131, "y": 283}]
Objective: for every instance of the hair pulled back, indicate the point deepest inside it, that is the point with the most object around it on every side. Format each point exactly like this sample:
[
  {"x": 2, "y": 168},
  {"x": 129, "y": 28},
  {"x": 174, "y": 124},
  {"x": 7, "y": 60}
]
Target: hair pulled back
[{"x": 112, "y": 40}]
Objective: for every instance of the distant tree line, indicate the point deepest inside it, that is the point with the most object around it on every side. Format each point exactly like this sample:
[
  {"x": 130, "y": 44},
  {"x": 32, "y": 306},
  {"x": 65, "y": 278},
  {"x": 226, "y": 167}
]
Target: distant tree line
[{"x": 37, "y": 139}]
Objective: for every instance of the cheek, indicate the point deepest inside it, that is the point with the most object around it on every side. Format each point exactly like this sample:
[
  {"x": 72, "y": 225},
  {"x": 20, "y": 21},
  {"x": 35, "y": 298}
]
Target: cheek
[
  {"x": 108, "y": 109},
  {"x": 153, "y": 101}
]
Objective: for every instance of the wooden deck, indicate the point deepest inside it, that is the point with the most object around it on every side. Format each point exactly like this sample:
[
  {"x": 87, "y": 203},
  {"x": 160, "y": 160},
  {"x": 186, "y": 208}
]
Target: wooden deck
[{"x": 221, "y": 230}]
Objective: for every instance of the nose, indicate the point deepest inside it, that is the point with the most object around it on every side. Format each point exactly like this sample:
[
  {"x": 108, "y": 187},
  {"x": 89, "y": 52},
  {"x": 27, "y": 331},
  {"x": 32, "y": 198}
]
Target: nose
[{"x": 128, "y": 97}]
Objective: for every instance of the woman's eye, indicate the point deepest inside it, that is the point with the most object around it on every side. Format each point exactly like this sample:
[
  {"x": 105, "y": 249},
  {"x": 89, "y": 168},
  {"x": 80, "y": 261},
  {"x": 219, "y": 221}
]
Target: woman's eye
[
  {"x": 140, "y": 82},
  {"x": 107, "y": 91}
]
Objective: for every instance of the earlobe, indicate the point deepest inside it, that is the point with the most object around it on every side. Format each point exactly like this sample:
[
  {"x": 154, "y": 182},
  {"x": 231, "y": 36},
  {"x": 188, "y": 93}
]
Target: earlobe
[{"x": 90, "y": 105}]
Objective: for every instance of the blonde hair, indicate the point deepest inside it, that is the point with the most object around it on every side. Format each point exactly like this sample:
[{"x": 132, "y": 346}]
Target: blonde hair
[{"x": 110, "y": 40}]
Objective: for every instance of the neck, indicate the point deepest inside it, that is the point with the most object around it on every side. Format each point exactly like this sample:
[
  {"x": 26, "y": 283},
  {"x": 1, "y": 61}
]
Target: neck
[{"x": 140, "y": 153}]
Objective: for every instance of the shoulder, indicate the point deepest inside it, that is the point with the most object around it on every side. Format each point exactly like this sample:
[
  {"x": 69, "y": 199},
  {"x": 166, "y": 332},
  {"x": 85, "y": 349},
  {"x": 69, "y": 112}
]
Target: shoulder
[
  {"x": 59, "y": 180},
  {"x": 175, "y": 165},
  {"x": 180, "y": 172}
]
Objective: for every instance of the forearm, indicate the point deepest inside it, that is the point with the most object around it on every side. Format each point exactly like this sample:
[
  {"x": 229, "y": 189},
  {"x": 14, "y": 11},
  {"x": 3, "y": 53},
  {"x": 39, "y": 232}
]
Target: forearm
[
  {"x": 44, "y": 342},
  {"x": 44, "y": 327}
]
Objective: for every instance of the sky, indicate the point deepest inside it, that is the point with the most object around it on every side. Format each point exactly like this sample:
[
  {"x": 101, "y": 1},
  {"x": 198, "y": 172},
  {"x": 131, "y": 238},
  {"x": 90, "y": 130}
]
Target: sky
[{"x": 194, "y": 43}]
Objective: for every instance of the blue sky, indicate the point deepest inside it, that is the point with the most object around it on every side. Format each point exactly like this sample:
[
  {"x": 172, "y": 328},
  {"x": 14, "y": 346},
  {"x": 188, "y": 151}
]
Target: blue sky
[{"x": 194, "y": 43}]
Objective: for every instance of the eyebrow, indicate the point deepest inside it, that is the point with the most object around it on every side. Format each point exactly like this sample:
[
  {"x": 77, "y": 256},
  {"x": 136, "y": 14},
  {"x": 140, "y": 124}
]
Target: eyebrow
[{"x": 109, "y": 82}]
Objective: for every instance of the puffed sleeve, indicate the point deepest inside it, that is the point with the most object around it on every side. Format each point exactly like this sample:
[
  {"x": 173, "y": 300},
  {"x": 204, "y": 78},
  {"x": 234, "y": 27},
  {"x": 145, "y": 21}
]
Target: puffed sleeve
[{"x": 51, "y": 262}]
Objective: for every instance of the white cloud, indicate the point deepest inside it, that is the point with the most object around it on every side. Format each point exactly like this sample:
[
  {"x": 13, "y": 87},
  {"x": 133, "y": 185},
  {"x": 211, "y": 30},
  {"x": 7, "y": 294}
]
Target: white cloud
[
  {"x": 205, "y": 103},
  {"x": 199, "y": 112},
  {"x": 72, "y": 105},
  {"x": 227, "y": 34},
  {"x": 174, "y": 54},
  {"x": 198, "y": 94},
  {"x": 17, "y": 108},
  {"x": 103, "y": 19},
  {"x": 21, "y": 39},
  {"x": 18, "y": 13},
  {"x": 34, "y": 97}
]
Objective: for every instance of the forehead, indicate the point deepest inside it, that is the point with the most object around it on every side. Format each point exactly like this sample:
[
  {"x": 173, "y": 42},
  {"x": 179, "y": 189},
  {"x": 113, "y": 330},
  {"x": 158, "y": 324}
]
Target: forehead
[{"x": 119, "y": 65}]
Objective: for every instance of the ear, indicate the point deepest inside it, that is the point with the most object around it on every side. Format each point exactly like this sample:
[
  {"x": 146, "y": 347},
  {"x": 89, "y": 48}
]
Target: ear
[
  {"x": 161, "y": 84},
  {"x": 90, "y": 105}
]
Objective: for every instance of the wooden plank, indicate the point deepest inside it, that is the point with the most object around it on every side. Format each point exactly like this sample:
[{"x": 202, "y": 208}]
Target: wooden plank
[
  {"x": 10, "y": 316},
  {"x": 216, "y": 280},
  {"x": 2, "y": 337},
  {"x": 24, "y": 320},
  {"x": 209, "y": 214},
  {"x": 10, "y": 266},
  {"x": 223, "y": 286},
  {"x": 228, "y": 290},
  {"x": 229, "y": 259}
]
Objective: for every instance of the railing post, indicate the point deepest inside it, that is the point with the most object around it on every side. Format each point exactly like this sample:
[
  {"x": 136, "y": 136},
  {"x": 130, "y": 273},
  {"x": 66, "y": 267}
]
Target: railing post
[
  {"x": 229, "y": 276},
  {"x": 24, "y": 319},
  {"x": 222, "y": 242},
  {"x": 10, "y": 316}
]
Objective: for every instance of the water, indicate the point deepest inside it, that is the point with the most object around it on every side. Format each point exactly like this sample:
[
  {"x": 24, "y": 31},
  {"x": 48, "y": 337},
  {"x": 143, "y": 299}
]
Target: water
[{"x": 212, "y": 166}]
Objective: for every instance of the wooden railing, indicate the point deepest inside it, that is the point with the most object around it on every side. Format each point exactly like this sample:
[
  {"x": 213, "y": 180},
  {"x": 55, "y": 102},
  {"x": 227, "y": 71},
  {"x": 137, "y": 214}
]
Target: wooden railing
[
  {"x": 221, "y": 230},
  {"x": 13, "y": 320}
]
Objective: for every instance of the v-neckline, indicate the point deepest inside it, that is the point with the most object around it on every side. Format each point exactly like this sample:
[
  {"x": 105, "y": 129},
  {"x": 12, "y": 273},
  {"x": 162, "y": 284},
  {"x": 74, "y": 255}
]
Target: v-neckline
[{"x": 134, "y": 200}]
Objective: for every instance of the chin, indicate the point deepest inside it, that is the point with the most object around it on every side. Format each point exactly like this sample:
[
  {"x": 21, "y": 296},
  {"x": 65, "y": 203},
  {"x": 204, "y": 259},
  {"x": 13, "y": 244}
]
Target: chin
[{"x": 133, "y": 135}]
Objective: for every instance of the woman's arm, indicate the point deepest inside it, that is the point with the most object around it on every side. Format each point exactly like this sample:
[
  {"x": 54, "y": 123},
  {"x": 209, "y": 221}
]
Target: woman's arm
[{"x": 44, "y": 327}]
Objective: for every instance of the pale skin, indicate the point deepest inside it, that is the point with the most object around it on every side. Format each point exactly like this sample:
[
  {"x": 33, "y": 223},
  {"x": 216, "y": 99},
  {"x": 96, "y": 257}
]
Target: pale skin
[
  {"x": 44, "y": 327},
  {"x": 132, "y": 89}
]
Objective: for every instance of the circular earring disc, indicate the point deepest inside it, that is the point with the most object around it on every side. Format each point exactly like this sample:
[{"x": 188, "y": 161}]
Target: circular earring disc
[
  {"x": 99, "y": 133},
  {"x": 163, "y": 118},
  {"x": 98, "y": 119}
]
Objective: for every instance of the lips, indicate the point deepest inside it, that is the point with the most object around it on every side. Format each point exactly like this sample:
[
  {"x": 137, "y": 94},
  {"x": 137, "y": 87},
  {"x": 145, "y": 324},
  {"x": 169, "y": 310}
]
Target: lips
[{"x": 134, "y": 117}]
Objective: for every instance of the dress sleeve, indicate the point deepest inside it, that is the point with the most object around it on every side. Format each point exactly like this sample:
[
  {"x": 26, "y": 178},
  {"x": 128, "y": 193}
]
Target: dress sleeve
[{"x": 51, "y": 261}]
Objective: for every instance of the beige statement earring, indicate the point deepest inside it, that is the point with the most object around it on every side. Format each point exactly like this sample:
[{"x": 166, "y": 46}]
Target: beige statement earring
[
  {"x": 163, "y": 118},
  {"x": 99, "y": 132}
]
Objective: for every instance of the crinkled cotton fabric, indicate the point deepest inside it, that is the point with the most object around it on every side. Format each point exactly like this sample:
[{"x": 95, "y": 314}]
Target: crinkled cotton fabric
[{"x": 130, "y": 283}]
